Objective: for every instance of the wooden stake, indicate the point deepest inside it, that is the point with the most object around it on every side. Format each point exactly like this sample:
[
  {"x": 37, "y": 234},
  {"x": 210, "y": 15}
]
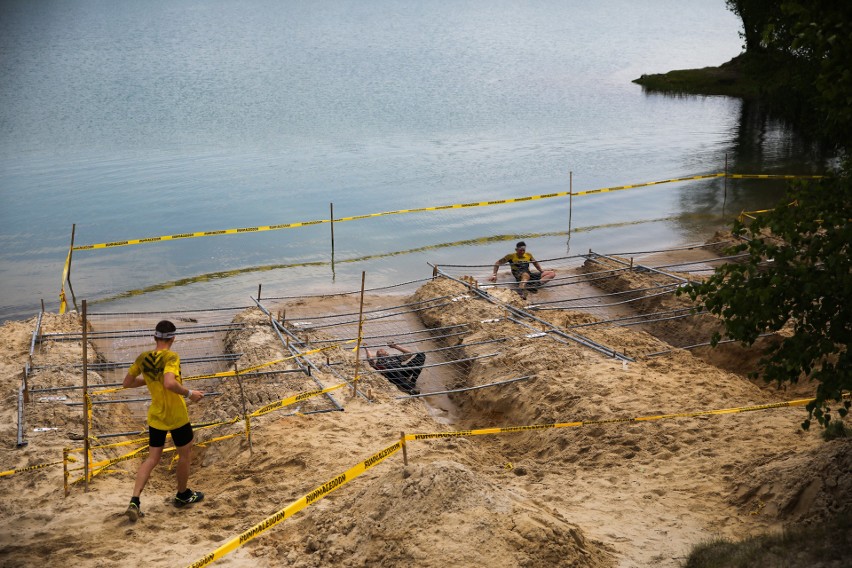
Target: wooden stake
[
  {"x": 570, "y": 201},
  {"x": 65, "y": 469},
  {"x": 725, "y": 198},
  {"x": 87, "y": 405},
  {"x": 25, "y": 385},
  {"x": 404, "y": 448},
  {"x": 331, "y": 213},
  {"x": 360, "y": 331},
  {"x": 243, "y": 399}
]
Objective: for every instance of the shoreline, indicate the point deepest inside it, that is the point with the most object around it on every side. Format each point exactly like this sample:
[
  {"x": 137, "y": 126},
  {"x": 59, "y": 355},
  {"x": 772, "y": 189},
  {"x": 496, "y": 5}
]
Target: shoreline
[{"x": 734, "y": 78}]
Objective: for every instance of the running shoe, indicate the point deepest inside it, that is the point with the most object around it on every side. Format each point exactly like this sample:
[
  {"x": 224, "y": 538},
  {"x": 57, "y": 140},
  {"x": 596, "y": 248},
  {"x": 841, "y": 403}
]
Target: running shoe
[
  {"x": 194, "y": 497},
  {"x": 133, "y": 512}
]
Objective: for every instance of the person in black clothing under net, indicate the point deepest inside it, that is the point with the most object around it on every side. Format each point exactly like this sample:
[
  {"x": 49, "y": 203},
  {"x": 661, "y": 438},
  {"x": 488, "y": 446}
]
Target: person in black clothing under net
[{"x": 401, "y": 370}]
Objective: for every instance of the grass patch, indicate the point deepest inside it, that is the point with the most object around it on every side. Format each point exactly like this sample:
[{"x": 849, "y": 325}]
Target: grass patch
[
  {"x": 796, "y": 547},
  {"x": 736, "y": 78}
]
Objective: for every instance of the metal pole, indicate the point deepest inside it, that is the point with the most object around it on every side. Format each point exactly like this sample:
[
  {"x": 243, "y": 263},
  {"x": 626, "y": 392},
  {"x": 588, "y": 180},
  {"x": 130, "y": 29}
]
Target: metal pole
[
  {"x": 570, "y": 207},
  {"x": 86, "y": 406},
  {"x": 404, "y": 448},
  {"x": 258, "y": 291},
  {"x": 498, "y": 383},
  {"x": 725, "y": 198},
  {"x": 331, "y": 216},
  {"x": 305, "y": 364},
  {"x": 21, "y": 442}
]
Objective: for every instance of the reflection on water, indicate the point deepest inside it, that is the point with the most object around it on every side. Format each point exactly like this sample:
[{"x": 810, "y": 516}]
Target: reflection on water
[{"x": 136, "y": 120}]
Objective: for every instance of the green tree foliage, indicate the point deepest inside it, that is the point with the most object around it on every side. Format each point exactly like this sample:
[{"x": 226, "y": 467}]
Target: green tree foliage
[
  {"x": 755, "y": 14},
  {"x": 797, "y": 277},
  {"x": 803, "y": 48}
]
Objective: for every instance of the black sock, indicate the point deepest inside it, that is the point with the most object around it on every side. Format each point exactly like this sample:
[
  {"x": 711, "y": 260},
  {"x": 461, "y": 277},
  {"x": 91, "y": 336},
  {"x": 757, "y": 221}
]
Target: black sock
[
  {"x": 135, "y": 500},
  {"x": 185, "y": 494}
]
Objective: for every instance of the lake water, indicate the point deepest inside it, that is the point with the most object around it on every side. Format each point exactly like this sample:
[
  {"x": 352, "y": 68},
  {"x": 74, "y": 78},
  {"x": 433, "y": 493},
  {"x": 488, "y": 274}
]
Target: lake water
[{"x": 139, "y": 119}]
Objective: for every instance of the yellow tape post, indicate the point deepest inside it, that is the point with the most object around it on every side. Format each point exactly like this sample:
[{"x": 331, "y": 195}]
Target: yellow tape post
[{"x": 293, "y": 508}]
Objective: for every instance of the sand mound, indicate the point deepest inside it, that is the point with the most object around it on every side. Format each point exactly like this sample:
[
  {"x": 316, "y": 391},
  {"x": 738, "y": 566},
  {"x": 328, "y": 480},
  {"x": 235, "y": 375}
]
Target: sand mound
[
  {"x": 436, "y": 514},
  {"x": 618, "y": 492}
]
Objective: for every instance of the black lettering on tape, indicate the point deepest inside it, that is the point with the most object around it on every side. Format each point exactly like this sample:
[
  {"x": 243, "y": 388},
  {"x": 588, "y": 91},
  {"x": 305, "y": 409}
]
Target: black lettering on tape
[
  {"x": 260, "y": 527},
  {"x": 204, "y": 561},
  {"x": 309, "y": 394},
  {"x": 443, "y": 435},
  {"x": 317, "y": 493},
  {"x": 369, "y": 462}
]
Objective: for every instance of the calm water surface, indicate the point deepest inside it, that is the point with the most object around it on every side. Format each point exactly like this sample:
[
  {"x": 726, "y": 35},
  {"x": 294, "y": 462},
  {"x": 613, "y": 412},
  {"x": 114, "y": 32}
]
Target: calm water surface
[{"x": 134, "y": 120}]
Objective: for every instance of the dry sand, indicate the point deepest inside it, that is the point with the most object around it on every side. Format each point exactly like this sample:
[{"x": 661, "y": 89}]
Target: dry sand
[{"x": 618, "y": 494}]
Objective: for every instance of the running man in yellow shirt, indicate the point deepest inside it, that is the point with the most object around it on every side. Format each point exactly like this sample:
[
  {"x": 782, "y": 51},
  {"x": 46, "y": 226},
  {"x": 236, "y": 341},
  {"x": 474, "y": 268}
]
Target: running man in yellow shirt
[
  {"x": 159, "y": 370},
  {"x": 519, "y": 263}
]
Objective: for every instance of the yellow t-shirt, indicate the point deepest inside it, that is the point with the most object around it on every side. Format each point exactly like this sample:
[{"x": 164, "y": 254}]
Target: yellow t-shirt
[
  {"x": 519, "y": 262},
  {"x": 168, "y": 409}
]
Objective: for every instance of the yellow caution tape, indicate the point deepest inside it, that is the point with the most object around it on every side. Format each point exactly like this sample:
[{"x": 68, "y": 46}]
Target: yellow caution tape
[
  {"x": 200, "y": 234},
  {"x": 102, "y": 466},
  {"x": 635, "y": 185},
  {"x": 29, "y": 468},
  {"x": 772, "y": 176},
  {"x": 485, "y": 431},
  {"x": 263, "y": 228},
  {"x": 63, "y": 303},
  {"x": 294, "y": 399},
  {"x": 242, "y": 371},
  {"x": 220, "y": 438},
  {"x": 293, "y": 508},
  {"x": 113, "y": 445},
  {"x": 233, "y": 420}
]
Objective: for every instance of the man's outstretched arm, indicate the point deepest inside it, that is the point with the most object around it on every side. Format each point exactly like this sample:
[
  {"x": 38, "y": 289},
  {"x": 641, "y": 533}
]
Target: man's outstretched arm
[{"x": 131, "y": 382}]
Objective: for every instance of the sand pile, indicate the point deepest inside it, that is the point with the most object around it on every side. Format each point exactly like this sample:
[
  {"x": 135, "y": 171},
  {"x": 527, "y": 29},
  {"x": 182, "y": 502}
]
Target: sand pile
[{"x": 610, "y": 494}]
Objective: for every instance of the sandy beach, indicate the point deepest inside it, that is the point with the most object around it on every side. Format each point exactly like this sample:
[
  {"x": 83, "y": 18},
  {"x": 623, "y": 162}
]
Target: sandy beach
[{"x": 607, "y": 493}]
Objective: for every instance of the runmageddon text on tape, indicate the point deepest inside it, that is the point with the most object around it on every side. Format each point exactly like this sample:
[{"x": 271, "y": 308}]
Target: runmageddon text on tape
[
  {"x": 486, "y": 431},
  {"x": 380, "y": 456},
  {"x": 312, "y": 497},
  {"x": 263, "y": 228}
]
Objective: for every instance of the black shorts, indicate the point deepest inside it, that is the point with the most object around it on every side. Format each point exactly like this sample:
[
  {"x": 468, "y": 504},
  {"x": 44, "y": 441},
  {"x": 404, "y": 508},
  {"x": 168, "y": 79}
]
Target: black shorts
[
  {"x": 533, "y": 282},
  {"x": 180, "y": 436}
]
